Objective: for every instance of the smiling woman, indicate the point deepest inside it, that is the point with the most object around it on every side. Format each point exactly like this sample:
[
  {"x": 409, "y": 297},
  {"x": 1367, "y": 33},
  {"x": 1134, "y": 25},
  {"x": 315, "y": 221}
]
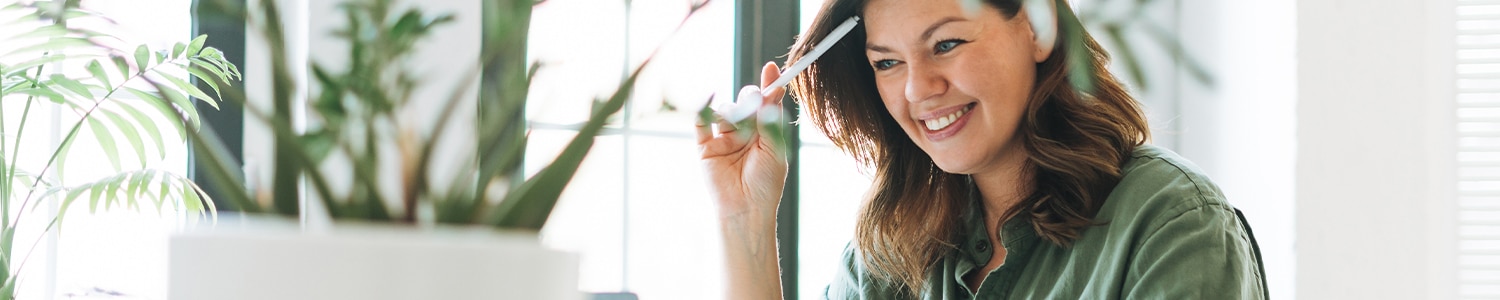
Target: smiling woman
[{"x": 1001, "y": 171}]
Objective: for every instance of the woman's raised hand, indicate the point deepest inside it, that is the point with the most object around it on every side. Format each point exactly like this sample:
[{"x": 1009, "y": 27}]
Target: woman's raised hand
[{"x": 746, "y": 172}]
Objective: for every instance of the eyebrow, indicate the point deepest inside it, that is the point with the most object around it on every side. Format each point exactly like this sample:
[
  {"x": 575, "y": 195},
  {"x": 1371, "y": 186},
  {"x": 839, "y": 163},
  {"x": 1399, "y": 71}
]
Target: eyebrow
[{"x": 926, "y": 34}]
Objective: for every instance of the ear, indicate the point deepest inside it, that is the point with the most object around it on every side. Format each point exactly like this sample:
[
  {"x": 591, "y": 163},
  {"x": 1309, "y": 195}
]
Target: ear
[{"x": 1043, "y": 16}]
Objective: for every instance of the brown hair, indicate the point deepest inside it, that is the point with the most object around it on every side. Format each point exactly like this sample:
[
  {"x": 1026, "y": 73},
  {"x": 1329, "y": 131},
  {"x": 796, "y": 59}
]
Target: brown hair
[{"x": 1077, "y": 134}]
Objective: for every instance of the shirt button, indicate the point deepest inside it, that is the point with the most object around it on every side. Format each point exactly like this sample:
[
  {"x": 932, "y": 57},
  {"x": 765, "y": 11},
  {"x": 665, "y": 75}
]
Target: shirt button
[{"x": 983, "y": 246}]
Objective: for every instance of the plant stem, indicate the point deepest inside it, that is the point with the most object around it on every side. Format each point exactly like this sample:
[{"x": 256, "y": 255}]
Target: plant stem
[
  {"x": 11, "y": 168},
  {"x": 22, "y": 266}
]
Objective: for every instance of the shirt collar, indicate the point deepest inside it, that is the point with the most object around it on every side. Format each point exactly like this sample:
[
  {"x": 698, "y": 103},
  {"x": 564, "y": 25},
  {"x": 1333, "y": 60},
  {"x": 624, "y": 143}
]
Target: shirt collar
[{"x": 975, "y": 243}]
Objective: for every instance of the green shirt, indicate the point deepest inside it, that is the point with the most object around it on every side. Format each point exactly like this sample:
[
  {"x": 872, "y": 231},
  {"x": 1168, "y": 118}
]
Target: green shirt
[{"x": 1167, "y": 233}]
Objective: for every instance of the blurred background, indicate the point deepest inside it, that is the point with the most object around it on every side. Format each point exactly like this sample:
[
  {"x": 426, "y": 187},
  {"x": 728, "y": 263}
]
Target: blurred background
[{"x": 1361, "y": 138}]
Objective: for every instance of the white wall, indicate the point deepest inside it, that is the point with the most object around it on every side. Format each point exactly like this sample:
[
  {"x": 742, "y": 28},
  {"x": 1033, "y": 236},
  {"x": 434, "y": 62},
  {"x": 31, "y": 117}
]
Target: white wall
[
  {"x": 1371, "y": 149},
  {"x": 1241, "y": 129}
]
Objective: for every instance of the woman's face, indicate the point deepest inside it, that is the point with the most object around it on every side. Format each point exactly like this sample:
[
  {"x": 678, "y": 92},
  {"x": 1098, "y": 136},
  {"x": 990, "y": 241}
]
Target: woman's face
[{"x": 957, "y": 82}]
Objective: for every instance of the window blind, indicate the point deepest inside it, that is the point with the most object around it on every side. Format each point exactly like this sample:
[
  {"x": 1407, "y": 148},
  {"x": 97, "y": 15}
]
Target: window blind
[{"x": 1478, "y": 127}]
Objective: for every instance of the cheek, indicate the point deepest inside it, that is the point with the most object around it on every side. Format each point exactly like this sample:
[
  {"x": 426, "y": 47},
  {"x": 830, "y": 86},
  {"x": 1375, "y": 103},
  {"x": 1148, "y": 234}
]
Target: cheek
[
  {"x": 898, "y": 110},
  {"x": 894, "y": 99},
  {"x": 998, "y": 77}
]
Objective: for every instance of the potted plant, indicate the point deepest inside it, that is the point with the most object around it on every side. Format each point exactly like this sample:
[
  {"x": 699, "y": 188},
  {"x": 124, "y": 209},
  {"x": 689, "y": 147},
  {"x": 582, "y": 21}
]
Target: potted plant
[
  {"x": 472, "y": 235},
  {"x": 105, "y": 88}
]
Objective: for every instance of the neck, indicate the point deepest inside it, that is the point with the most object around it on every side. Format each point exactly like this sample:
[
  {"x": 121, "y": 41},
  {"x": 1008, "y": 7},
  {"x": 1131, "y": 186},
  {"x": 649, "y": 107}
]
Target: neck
[{"x": 1003, "y": 186}]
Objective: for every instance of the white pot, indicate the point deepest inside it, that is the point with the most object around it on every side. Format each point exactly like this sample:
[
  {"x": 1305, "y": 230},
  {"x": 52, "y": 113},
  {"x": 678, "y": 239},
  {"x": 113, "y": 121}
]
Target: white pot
[{"x": 368, "y": 261}]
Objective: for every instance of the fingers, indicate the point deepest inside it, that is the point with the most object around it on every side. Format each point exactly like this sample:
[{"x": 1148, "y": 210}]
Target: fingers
[
  {"x": 725, "y": 127},
  {"x": 705, "y": 132},
  {"x": 768, "y": 74},
  {"x": 722, "y": 134}
]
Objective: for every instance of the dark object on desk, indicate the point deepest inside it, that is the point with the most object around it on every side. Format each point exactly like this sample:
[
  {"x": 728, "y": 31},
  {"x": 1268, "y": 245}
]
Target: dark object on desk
[{"x": 613, "y": 296}]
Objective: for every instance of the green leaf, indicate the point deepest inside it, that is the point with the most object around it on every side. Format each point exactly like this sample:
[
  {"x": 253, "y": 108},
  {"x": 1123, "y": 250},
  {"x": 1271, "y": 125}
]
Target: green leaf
[
  {"x": 122, "y": 65},
  {"x": 177, "y": 50},
  {"x": 319, "y": 143},
  {"x": 41, "y": 92},
  {"x": 141, "y": 118},
  {"x": 706, "y": 114},
  {"x": 207, "y": 78},
  {"x": 98, "y": 70},
  {"x": 47, "y": 32},
  {"x": 158, "y": 199},
  {"x": 164, "y": 107},
  {"x": 52, "y": 44},
  {"x": 211, "y": 68},
  {"x": 196, "y": 45},
  {"x": 131, "y": 134},
  {"x": 530, "y": 204},
  {"x": 142, "y": 57},
  {"x": 183, "y": 103},
  {"x": 214, "y": 157},
  {"x": 94, "y": 199},
  {"x": 165, "y": 188},
  {"x": 212, "y": 56},
  {"x": 233, "y": 70},
  {"x": 106, "y": 141},
  {"x": 20, "y": 68},
  {"x": 1127, "y": 55},
  {"x": 1169, "y": 40},
  {"x": 134, "y": 188},
  {"x": 111, "y": 192},
  {"x": 67, "y": 201},
  {"x": 62, "y": 156},
  {"x": 190, "y": 199},
  {"x": 73, "y": 86},
  {"x": 189, "y": 88}
]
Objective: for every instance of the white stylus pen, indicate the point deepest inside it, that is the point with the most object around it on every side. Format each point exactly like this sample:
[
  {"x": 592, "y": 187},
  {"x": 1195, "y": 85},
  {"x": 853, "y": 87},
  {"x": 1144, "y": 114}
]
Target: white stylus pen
[{"x": 750, "y": 98}]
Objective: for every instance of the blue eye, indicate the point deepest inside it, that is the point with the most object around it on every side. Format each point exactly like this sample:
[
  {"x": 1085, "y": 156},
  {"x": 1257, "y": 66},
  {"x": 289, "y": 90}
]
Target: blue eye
[
  {"x": 884, "y": 64},
  {"x": 947, "y": 45}
]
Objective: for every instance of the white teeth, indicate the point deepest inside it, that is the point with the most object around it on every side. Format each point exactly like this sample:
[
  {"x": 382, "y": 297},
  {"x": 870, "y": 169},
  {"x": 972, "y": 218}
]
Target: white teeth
[{"x": 943, "y": 122}]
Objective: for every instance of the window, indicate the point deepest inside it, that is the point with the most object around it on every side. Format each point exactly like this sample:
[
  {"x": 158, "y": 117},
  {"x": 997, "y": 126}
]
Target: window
[
  {"x": 1478, "y": 129},
  {"x": 637, "y": 212},
  {"x": 831, "y": 189}
]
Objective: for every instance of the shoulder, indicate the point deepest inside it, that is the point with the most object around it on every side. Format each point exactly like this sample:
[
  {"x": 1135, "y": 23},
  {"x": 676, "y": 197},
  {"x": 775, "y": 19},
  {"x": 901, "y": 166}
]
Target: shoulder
[
  {"x": 1157, "y": 185},
  {"x": 1172, "y": 221}
]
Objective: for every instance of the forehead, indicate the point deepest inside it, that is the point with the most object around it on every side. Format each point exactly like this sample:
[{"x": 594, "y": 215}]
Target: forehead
[
  {"x": 899, "y": 14},
  {"x": 897, "y": 21}
]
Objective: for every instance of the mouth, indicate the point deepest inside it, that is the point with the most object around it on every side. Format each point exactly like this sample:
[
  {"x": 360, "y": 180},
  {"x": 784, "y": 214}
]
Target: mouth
[{"x": 946, "y": 123}]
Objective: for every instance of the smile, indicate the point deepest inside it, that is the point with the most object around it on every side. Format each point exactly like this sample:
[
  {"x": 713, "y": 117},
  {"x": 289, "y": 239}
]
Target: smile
[{"x": 945, "y": 121}]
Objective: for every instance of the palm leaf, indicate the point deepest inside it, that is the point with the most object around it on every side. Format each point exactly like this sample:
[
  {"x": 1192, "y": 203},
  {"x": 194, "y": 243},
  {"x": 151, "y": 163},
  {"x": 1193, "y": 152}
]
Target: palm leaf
[
  {"x": 130, "y": 133},
  {"x": 106, "y": 141},
  {"x": 155, "y": 133},
  {"x": 530, "y": 204},
  {"x": 98, "y": 71}
]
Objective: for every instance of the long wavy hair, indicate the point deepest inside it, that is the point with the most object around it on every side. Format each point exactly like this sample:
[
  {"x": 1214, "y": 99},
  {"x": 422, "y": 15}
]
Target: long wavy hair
[{"x": 1076, "y": 137}]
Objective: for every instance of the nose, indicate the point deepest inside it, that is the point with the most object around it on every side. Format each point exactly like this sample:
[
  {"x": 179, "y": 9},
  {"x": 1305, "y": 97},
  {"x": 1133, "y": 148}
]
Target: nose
[{"x": 924, "y": 81}]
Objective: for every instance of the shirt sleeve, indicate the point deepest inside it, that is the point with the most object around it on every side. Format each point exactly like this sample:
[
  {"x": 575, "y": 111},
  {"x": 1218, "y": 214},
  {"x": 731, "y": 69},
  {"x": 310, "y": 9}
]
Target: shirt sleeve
[{"x": 1207, "y": 252}]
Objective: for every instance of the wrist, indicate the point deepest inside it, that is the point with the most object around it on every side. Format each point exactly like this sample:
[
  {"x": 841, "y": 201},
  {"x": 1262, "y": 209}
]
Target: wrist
[{"x": 746, "y": 222}]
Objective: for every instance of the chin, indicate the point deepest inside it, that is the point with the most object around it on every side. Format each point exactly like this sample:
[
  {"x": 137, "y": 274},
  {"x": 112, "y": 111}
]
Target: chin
[{"x": 955, "y": 165}]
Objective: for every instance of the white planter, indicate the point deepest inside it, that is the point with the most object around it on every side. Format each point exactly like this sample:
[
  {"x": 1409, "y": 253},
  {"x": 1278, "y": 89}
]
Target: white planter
[{"x": 363, "y": 261}]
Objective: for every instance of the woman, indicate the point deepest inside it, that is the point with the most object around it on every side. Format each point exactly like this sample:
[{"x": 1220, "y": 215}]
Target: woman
[{"x": 996, "y": 175}]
